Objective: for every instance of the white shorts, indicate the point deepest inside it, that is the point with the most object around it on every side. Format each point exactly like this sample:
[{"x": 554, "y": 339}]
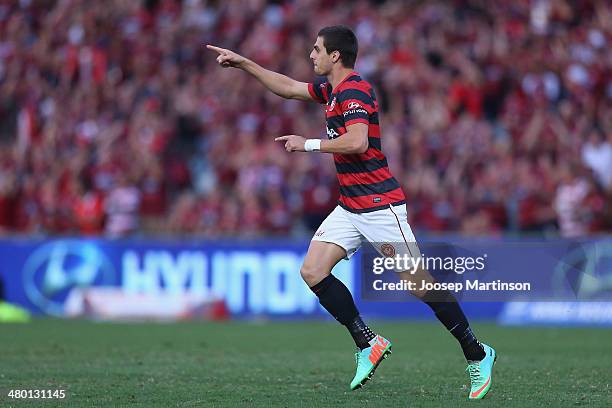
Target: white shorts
[{"x": 387, "y": 230}]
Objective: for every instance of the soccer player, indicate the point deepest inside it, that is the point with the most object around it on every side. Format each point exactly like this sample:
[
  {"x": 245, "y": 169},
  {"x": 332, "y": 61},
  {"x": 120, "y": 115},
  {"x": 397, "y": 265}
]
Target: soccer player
[{"x": 372, "y": 203}]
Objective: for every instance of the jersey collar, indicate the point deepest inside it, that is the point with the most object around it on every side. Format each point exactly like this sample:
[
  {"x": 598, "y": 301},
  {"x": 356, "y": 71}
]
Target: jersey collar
[{"x": 350, "y": 74}]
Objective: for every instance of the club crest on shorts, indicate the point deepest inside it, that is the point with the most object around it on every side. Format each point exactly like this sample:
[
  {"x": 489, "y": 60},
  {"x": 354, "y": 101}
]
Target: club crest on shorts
[
  {"x": 319, "y": 233},
  {"x": 387, "y": 250}
]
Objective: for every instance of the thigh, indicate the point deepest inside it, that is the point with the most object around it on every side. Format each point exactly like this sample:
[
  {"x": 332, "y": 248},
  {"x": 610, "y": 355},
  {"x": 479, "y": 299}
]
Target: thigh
[
  {"x": 338, "y": 229},
  {"x": 390, "y": 234},
  {"x": 388, "y": 231}
]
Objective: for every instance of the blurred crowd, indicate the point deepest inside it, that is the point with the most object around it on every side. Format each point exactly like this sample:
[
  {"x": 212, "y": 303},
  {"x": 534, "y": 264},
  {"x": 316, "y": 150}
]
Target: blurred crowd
[{"x": 115, "y": 120}]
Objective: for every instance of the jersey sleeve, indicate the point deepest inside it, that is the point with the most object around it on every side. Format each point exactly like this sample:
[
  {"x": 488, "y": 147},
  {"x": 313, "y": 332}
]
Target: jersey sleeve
[
  {"x": 318, "y": 90},
  {"x": 357, "y": 105}
]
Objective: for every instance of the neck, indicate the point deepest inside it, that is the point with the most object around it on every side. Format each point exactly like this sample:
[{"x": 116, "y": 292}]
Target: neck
[{"x": 337, "y": 75}]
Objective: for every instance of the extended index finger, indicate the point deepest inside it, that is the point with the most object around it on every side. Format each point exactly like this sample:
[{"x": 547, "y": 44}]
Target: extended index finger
[
  {"x": 215, "y": 48},
  {"x": 281, "y": 138}
]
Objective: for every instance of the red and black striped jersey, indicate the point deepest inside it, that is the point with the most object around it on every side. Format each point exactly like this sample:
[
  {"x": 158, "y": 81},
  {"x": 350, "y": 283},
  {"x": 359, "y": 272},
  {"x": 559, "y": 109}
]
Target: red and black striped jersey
[{"x": 366, "y": 184}]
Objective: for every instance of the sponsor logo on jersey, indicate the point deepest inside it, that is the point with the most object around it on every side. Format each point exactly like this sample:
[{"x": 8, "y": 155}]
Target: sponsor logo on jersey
[{"x": 354, "y": 107}]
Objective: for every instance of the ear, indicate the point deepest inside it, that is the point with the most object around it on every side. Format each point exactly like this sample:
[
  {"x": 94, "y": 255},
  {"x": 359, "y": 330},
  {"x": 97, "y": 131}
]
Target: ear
[{"x": 335, "y": 56}]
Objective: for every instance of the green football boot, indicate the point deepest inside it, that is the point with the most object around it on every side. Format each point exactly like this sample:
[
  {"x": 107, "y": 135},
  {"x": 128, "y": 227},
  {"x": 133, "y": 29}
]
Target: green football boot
[
  {"x": 368, "y": 360},
  {"x": 481, "y": 373}
]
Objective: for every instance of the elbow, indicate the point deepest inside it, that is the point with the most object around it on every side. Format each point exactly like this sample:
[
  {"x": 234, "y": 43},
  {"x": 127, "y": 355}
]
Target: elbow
[
  {"x": 285, "y": 93},
  {"x": 288, "y": 93},
  {"x": 360, "y": 147}
]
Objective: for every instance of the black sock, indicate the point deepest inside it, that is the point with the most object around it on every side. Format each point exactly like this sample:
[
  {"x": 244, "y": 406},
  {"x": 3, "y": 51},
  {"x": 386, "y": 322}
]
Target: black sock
[
  {"x": 448, "y": 311},
  {"x": 335, "y": 297},
  {"x": 361, "y": 333}
]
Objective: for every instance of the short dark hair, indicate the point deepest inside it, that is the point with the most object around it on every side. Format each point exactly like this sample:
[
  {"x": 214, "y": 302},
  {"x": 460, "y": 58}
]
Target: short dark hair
[{"x": 342, "y": 39}]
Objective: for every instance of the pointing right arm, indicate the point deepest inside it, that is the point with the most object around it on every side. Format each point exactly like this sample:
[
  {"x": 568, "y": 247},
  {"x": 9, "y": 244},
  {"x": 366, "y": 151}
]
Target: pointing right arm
[{"x": 280, "y": 84}]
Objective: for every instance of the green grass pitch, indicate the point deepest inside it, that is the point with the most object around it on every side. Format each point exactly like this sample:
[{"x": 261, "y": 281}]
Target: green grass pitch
[{"x": 305, "y": 363}]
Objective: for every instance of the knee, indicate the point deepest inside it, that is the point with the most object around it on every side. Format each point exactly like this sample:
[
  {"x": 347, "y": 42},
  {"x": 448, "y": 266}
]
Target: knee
[{"x": 313, "y": 274}]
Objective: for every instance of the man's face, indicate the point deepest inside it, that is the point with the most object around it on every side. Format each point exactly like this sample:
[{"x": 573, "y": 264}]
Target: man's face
[{"x": 322, "y": 61}]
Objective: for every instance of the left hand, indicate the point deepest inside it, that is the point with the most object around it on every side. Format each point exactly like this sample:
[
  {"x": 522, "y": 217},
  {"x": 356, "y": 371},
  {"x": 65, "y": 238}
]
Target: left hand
[{"x": 293, "y": 143}]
